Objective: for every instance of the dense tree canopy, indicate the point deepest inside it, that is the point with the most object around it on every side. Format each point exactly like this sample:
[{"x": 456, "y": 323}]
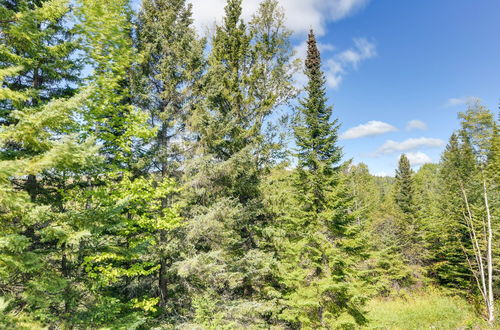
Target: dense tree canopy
[{"x": 146, "y": 180}]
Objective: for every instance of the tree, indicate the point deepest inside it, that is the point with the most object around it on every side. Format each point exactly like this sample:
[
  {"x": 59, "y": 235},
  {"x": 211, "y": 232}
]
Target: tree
[
  {"x": 247, "y": 78},
  {"x": 166, "y": 87},
  {"x": 410, "y": 234},
  {"x": 43, "y": 157},
  {"x": 319, "y": 262},
  {"x": 365, "y": 193},
  {"x": 468, "y": 213},
  {"x": 478, "y": 133},
  {"x": 123, "y": 198}
]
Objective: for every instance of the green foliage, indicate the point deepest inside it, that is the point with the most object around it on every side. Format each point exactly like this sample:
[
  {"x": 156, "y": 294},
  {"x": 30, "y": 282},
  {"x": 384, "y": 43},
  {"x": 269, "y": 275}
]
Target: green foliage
[
  {"x": 318, "y": 260},
  {"x": 404, "y": 185},
  {"x": 409, "y": 227},
  {"x": 145, "y": 182},
  {"x": 110, "y": 115},
  {"x": 422, "y": 310}
]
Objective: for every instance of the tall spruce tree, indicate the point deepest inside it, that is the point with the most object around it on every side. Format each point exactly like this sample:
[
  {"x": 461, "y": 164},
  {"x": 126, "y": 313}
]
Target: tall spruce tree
[
  {"x": 448, "y": 236},
  {"x": 227, "y": 267},
  {"x": 410, "y": 232},
  {"x": 404, "y": 185},
  {"x": 167, "y": 88},
  {"x": 319, "y": 262}
]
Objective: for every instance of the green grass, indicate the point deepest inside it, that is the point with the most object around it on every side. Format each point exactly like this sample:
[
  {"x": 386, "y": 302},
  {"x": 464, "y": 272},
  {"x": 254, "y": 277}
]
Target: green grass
[{"x": 430, "y": 310}]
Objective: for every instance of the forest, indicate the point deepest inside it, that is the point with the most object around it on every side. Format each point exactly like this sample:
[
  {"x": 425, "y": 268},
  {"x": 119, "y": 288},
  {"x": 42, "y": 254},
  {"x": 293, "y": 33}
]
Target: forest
[{"x": 152, "y": 178}]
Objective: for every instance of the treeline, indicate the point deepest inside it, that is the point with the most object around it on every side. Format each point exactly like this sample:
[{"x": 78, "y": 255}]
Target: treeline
[{"x": 147, "y": 180}]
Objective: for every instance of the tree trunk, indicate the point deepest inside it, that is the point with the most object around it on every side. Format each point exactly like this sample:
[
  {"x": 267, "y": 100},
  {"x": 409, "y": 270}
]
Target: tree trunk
[
  {"x": 489, "y": 259},
  {"x": 162, "y": 278}
]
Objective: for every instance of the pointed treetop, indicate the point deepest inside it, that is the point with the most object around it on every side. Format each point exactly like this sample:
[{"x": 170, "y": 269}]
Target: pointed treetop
[{"x": 313, "y": 59}]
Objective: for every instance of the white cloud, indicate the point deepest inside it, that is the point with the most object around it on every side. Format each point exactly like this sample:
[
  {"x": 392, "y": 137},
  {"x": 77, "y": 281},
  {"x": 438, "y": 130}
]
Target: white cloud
[
  {"x": 334, "y": 73},
  {"x": 418, "y": 158},
  {"x": 339, "y": 64},
  {"x": 371, "y": 128},
  {"x": 416, "y": 124},
  {"x": 363, "y": 50},
  {"x": 460, "y": 101},
  {"x": 302, "y": 15},
  {"x": 391, "y": 146}
]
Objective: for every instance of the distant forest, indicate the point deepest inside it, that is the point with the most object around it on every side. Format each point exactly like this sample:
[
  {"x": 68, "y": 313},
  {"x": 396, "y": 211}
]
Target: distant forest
[{"x": 151, "y": 178}]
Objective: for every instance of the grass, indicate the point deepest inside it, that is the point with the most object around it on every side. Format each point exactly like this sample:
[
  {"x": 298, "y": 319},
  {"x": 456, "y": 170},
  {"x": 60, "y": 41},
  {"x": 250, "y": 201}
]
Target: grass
[{"x": 429, "y": 310}]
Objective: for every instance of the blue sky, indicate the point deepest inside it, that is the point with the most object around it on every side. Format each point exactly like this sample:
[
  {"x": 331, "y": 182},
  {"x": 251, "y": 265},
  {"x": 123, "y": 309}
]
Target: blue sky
[
  {"x": 392, "y": 62},
  {"x": 431, "y": 55}
]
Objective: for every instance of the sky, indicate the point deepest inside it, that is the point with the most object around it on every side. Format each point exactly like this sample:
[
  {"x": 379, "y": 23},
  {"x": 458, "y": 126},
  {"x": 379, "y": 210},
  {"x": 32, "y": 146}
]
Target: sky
[{"x": 398, "y": 72}]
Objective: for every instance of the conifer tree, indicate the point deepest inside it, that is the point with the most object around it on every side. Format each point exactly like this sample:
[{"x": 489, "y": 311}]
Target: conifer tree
[
  {"x": 123, "y": 199},
  {"x": 448, "y": 236},
  {"x": 404, "y": 185},
  {"x": 319, "y": 262},
  {"x": 410, "y": 232},
  {"x": 42, "y": 157},
  {"x": 226, "y": 265},
  {"x": 106, "y": 31},
  {"x": 166, "y": 88}
]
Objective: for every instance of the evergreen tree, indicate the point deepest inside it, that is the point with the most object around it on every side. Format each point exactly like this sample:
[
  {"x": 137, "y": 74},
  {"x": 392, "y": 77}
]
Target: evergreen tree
[
  {"x": 226, "y": 264},
  {"x": 410, "y": 232},
  {"x": 319, "y": 263},
  {"x": 172, "y": 63},
  {"x": 106, "y": 31},
  {"x": 448, "y": 236},
  {"x": 43, "y": 157},
  {"x": 316, "y": 136},
  {"x": 404, "y": 185},
  {"x": 123, "y": 199},
  {"x": 385, "y": 271}
]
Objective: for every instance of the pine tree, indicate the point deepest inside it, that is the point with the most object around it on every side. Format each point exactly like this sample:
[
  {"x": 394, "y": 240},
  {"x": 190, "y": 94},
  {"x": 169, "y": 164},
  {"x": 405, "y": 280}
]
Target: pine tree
[
  {"x": 167, "y": 86},
  {"x": 106, "y": 31},
  {"x": 410, "y": 230},
  {"x": 122, "y": 198},
  {"x": 448, "y": 236},
  {"x": 316, "y": 136},
  {"x": 227, "y": 266},
  {"x": 404, "y": 185},
  {"x": 43, "y": 156},
  {"x": 319, "y": 263}
]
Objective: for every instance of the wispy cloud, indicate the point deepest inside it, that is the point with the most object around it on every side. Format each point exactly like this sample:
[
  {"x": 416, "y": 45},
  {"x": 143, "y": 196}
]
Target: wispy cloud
[
  {"x": 302, "y": 15},
  {"x": 371, "y": 128},
  {"x": 338, "y": 65},
  {"x": 418, "y": 158},
  {"x": 416, "y": 124},
  {"x": 334, "y": 73},
  {"x": 362, "y": 50},
  {"x": 460, "y": 101},
  {"x": 301, "y": 49},
  {"x": 391, "y": 146}
]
